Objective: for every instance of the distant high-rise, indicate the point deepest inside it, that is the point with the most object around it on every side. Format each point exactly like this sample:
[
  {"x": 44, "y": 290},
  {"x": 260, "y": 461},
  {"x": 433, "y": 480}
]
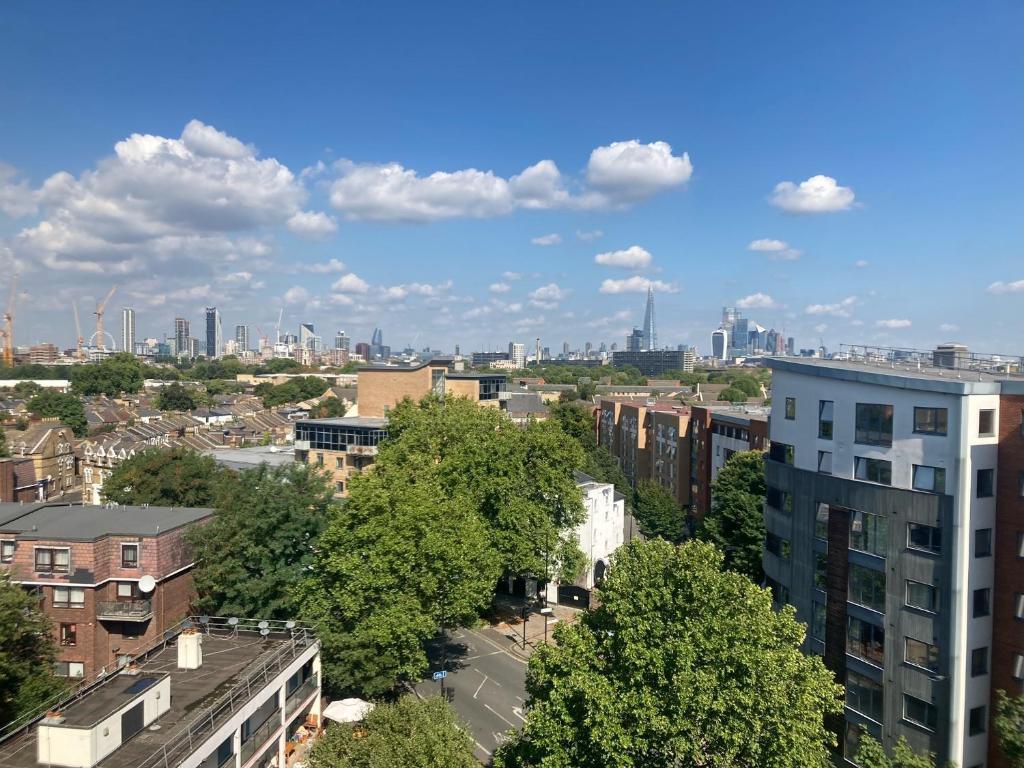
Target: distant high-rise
[
  {"x": 128, "y": 330},
  {"x": 242, "y": 338},
  {"x": 181, "y": 337},
  {"x": 635, "y": 341},
  {"x": 720, "y": 344},
  {"x": 517, "y": 354},
  {"x": 457, "y": 352},
  {"x": 341, "y": 341},
  {"x": 307, "y": 336},
  {"x": 565, "y": 347},
  {"x": 377, "y": 348},
  {"x": 214, "y": 343},
  {"x": 650, "y": 338}
]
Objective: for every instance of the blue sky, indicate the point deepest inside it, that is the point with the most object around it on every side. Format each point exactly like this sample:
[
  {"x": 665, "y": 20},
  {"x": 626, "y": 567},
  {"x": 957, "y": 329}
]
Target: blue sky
[{"x": 280, "y": 155}]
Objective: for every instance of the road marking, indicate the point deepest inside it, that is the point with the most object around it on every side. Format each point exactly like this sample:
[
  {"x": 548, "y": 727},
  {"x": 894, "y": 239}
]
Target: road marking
[
  {"x": 502, "y": 717},
  {"x": 521, "y": 699},
  {"x": 481, "y": 685},
  {"x": 483, "y": 749},
  {"x": 518, "y": 713},
  {"x": 482, "y": 655},
  {"x": 495, "y": 645}
]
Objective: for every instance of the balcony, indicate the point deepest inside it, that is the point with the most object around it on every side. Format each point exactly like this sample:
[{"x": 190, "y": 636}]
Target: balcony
[
  {"x": 302, "y": 445},
  {"x": 125, "y": 610}
]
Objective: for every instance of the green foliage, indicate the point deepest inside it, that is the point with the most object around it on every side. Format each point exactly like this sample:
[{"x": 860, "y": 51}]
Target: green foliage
[
  {"x": 280, "y": 365},
  {"x": 292, "y": 391},
  {"x": 171, "y": 477},
  {"x": 329, "y": 408},
  {"x": 219, "y": 368},
  {"x": 682, "y": 664},
  {"x": 658, "y": 513},
  {"x": 732, "y": 395},
  {"x": 5, "y": 451},
  {"x": 33, "y": 371},
  {"x": 66, "y": 407},
  {"x": 407, "y": 734},
  {"x": 260, "y": 543},
  {"x": 749, "y": 386},
  {"x": 223, "y": 387},
  {"x": 27, "y": 389},
  {"x": 735, "y": 523},
  {"x": 115, "y": 375},
  {"x": 870, "y": 754},
  {"x": 1009, "y": 723},
  {"x": 27, "y": 652},
  {"x": 175, "y": 397},
  {"x": 577, "y": 421}
]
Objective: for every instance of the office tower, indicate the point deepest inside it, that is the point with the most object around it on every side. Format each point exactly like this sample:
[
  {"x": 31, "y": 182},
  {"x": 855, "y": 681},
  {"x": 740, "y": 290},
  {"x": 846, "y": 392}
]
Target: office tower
[
  {"x": 635, "y": 341},
  {"x": 377, "y": 348},
  {"x": 213, "y": 333},
  {"x": 650, "y": 338},
  {"x": 587, "y": 348},
  {"x": 307, "y": 336},
  {"x": 341, "y": 341},
  {"x": 517, "y": 354},
  {"x": 457, "y": 353},
  {"x": 790, "y": 346},
  {"x": 565, "y": 348},
  {"x": 720, "y": 344},
  {"x": 363, "y": 350},
  {"x": 881, "y": 511},
  {"x": 242, "y": 338},
  {"x": 128, "y": 330},
  {"x": 181, "y": 336},
  {"x": 603, "y": 348},
  {"x": 546, "y": 354}
]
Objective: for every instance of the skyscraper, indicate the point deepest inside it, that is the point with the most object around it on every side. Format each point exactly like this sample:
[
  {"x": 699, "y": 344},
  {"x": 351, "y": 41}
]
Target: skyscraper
[
  {"x": 213, "y": 333},
  {"x": 307, "y": 336},
  {"x": 650, "y": 338},
  {"x": 720, "y": 344},
  {"x": 635, "y": 341},
  {"x": 181, "y": 336},
  {"x": 517, "y": 354},
  {"x": 242, "y": 337},
  {"x": 128, "y": 330},
  {"x": 341, "y": 340}
]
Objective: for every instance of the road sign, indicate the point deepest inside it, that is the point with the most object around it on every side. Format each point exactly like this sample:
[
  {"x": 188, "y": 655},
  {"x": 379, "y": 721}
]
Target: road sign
[{"x": 441, "y": 675}]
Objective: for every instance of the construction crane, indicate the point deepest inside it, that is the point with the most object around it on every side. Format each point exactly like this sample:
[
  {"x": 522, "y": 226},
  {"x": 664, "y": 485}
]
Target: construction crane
[
  {"x": 101, "y": 342},
  {"x": 79, "y": 354},
  {"x": 262, "y": 337},
  {"x": 280, "y": 316},
  {"x": 9, "y": 325}
]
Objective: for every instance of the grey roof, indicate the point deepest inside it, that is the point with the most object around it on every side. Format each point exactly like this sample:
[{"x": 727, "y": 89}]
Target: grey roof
[
  {"x": 366, "y": 422},
  {"x": 901, "y": 376},
  {"x": 472, "y": 375},
  {"x": 247, "y": 458},
  {"x": 89, "y": 522},
  {"x": 436, "y": 362}
]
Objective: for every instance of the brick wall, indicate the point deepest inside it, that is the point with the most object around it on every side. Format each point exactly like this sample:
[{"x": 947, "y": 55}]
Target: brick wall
[{"x": 380, "y": 390}]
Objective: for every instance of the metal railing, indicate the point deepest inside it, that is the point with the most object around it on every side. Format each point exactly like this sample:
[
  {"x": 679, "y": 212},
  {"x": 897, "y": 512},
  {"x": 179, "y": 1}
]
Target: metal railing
[
  {"x": 124, "y": 609},
  {"x": 954, "y": 359},
  {"x": 299, "y": 695}
]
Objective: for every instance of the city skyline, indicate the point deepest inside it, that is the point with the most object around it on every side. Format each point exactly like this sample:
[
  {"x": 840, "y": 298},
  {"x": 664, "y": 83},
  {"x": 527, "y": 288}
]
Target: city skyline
[{"x": 761, "y": 183}]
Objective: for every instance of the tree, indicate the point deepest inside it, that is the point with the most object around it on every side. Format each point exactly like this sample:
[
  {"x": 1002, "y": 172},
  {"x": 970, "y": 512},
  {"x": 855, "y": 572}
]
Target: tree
[
  {"x": 260, "y": 543},
  {"x": 682, "y": 664},
  {"x": 5, "y": 451},
  {"x": 871, "y": 754},
  {"x": 329, "y": 408},
  {"x": 27, "y": 389},
  {"x": 1009, "y": 722},
  {"x": 113, "y": 376},
  {"x": 735, "y": 523},
  {"x": 169, "y": 477},
  {"x": 576, "y": 420},
  {"x": 175, "y": 397},
  {"x": 407, "y": 734},
  {"x": 293, "y": 391},
  {"x": 732, "y": 395},
  {"x": 27, "y": 653},
  {"x": 66, "y": 407},
  {"x": 658, "y": 513}
]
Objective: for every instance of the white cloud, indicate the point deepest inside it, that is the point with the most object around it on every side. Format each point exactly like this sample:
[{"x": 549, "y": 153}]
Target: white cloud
[
  {"x": 587, "y": 236},
  {"x": 539, "y": 187},
  {"x": 839, "y": 309},
  {"x": 628, "y": 171},
  {"x": 549, "y": 292},
  {"x": 422, "y": 289},
  {"x": 818, "y": 194},
  {"x": 862, "y": 263},
  {"x": 949, "y": 327},
  {"x": 779, "y": 250},
  {"x": 637, "y": 284},
  {"x": 16, "y": 197},
  {"x": 1015, "y": 286},
  {"x": 512, "y": 275},
  {"x": 313, "y": 225},
  {"x": 499, "y": 288},
  {"x": 633, "y": 257},
  {"x": 821, "y": 327},
  {"x": 894, "y": 323},
  {"x": 477, "y": 312},
  {"x": 327, "y": 267},
  {"x": 206, "y": 141},
  {"x": 603, "y": 322},
  {"x": 350, "y": 283},
  {"x": 296, "y": 295},
  {"x": 553, "y": 239},
  {"x": 757, "y": 301}
]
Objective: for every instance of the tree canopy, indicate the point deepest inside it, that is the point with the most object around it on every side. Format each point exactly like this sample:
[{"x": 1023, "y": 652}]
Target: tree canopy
[
  {"x": 871, "y": 754},
  {"x": 172, "y": 477},
  {"x": 174, "y": 397},
  {"x": 658, "y": 513},
  {"x": 682, "y": 664},
  {"x": 577, "y": 421},
  {"x": 292, "y": 391},
  {"x": 409, "y": 733},
  {"x": 66, "y": 407},
  {"x": 735, "y": 523},
  {"x": 1009, "y": 723},
  {"x": 115, "y": 375},
  {"x": 328, "y": 408}
]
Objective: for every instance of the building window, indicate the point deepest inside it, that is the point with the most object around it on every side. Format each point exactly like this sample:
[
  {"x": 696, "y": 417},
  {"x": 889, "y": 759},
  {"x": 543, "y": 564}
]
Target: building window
[
  {"x": 69, "y": 635},
  {"x": 922, "y": 596},
  {"x": 865, "y": 640},
  {"x": 339, "y": 487},
  {"x": 977, "y": 719},
  {"x": 69, "y": 669},
  {"x": 821, "y": 522},
  {"x": 818, "y": 621},
  {"x": 924, "y": 537},
  {"x": 780, "y": 592},
  {"x": 825, "y": 410},
  {"x": 986, "y": 483},
  {"x": 780, "y": 500},
  {"x": 979, "y": 662},
  {"x": 1020, "y": 485},
  {"x": 1018, "y": 666},
  {"x": 68, "y": 597},
  {"x": 864, "y": 695},
  {"x": 820, "y": 570},
  {"x": 777, "y": 545},
  {"x": 50, "y": 560},
  {"x": 790, "y": 408},
  {"x": 126, "y": 589},
  {"x": 982, "y": 602},
  {"x": 921, "y": 654},
  {"x": 869, "y": 533},
  {"x": 930, "y": 421},
  {"x": 825, "y": 462},
  {"x": 1018, "y": 605},
  {"x": 983, "y": 542},
  {"x": 782, "y": 453},
  {"x": 319, "y": 459},
  {"x": 7, "y": 551},
  {"x": 930, "y": 479},
  {"x": 339, "y": 462},
  {"x": 986, "y": 423},
  {"x": 1020, "y": 545},
  {"x": 919, "y": 712},
  {"x": 867, "y": 588},
  {"x": 872, "y": 470},
  {"x": 129, "y": 555},
  {"x": 874, "y": 424}
]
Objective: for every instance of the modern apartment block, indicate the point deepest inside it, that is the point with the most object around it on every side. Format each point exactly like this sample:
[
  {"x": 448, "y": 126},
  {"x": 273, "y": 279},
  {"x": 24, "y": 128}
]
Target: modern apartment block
[
  {"x": 382, "y": 387},
  {"x": 881, "y": 526},
  {"x": 343, "y": 446},
  {"x": 112, "y": 578},
  {"x": 208, "y": 693}
]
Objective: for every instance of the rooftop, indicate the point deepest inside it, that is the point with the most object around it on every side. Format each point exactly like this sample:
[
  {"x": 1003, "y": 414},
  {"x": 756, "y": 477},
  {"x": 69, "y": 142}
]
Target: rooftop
[
  {"x": 363, "y": 422},
  {"x": 246, "y": 458},
  {"x": 89, "y": 522}
]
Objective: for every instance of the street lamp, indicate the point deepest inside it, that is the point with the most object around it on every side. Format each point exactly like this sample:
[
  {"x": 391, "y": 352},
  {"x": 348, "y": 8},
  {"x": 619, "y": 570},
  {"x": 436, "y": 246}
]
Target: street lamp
[{"x": 545, "y": 612}]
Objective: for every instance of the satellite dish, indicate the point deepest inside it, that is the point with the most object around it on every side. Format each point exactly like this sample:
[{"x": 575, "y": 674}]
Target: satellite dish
[
  {"x": 233, "y": 621},
  {"x": 147, "y": 584},
  {"x": 263, "y": 624},
  {"x": 264, "y": 631},
  {"x": 289, "y": 625}
]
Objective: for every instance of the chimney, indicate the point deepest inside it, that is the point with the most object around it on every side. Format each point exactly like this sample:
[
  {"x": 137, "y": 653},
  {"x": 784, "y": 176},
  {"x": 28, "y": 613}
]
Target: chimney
[{"x": 190, "y": 649}]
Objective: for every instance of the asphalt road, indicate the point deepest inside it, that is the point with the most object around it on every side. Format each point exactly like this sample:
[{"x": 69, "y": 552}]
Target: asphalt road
[{"x": 485, "y": 684}]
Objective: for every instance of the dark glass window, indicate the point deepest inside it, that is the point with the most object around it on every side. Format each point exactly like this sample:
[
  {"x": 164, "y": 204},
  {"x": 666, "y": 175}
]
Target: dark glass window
[
  {"x": 986, "y": 483},
  {"x": 825, "y": 462},
  {"x": 982, "y": 603},
  {"x": 820, "y": 569},
  {"x": 930, "y": 421},
  {"x": 873, "y": 470},
  {"x": 983, "y": 542},
  {"x": 869, "y": 533},
  {"x": 129, "y": 555},
  {"x": 986, "y": 423},
  {"x": 923, "y": 596},
  {"x": 865, "y": 640},
  {"x": 781, "y": 452},
  {"x": 926, "y": 537},
  {"x": 777, "y": 545},
  {"x": 867, "y": 587},
  {"x": 50, "y": 560},
  {"x": 821, "y": 521},
  {"x": 69, "y": 635},
  {"x": 790, "y": 408},
  {"x": 864, "y": 695},
  {"x": 979, "y": 662},
  {"x": 919, "y": 712},
  {"x": 874, "y": 424},
  {"x": 977, "y": 720},
  {"x": 825, "y": 419},
  {"x": 818, "y": 621},
  {"x": 930, "y": 479},
  {"x": 7, "y": 551},
  {"x": 922, "y": 654}
]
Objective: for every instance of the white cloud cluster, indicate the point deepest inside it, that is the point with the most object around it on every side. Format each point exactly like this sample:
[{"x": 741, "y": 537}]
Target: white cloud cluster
[
  {"x": 757, "y": 301},
  {"x": 949, "y": 327},
  {"x": 633, "y": 257},
  {"x": 16, "y": 196},
  {"x": 637, "y": 284},
  {"x": 861, "y": 263},
  {"x": 350, "y": 283},
  {"x": 628, "y": 171},
  {"x": 778, "y": 250},
  {"x": 818, "y": 194},
  {"x": 840, "y": 309},
  {"x": 894, "y": 323},
  {"x": 1015, "y": 286},
  {"x": 313, "y": 225},
  {"x": 549, "y": 292},
  {"x": 553, "y": 239},
  {"x": 588, "y": 235},
  {"x": 499, "y": 288},
  {"x": 327, "y": 267}
]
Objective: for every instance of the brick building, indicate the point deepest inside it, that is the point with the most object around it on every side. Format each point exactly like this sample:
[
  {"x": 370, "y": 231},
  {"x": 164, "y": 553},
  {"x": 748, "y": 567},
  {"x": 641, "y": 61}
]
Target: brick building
[
  {"x": 87, "y": 565},
  {"x": 50, "y": 446},
  {"x": 343, "y": 447},
  {"x": 382, "y": 387}
]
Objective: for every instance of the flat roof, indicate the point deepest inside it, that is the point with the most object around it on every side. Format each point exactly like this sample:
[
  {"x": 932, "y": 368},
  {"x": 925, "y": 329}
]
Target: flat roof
[
  {"x": 245, "y": 458},
  {"x": 894, "y": 374},
  {"x": 435, "y": 362},
  {"x": 89, "y": 522},
  {"x": 360, "y": 422}
]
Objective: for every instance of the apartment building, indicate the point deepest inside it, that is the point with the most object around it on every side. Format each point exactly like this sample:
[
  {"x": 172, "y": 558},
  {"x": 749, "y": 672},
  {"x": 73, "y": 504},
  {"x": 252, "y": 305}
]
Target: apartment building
[
  {"x": 881, "y": 520},
  {"x": 208, "y": 693},
  {"x": 716, "y": 433},
  {"x": 382, "y": 387},
  {"x": 112, "y": 578},
  {"x": 49, "y": 446},
  {"x": 343, "y": 446}
]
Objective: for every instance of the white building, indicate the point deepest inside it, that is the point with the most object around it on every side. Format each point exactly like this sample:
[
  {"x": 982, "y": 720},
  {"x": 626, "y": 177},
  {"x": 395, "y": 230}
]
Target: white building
[
  {"x": 720, "y": 344},
  {"x": 128, "y": 330},
  {"x": 517, "y": 354}
]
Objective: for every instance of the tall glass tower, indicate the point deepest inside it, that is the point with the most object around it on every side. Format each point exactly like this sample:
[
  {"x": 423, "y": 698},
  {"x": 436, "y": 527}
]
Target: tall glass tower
[{"x": 650, "y": 338}]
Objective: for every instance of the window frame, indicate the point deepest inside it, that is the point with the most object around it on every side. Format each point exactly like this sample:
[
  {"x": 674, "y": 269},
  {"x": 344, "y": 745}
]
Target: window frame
[
  {"x": 981, "y": 611},
  {"x": 931, "y": 550},
  {"x": 990, "y": 483},
  {"x": 830, "y": 421},
  {"x": 69, "y": 603},
  {"x": 53, "y": 568},
  {"x": 977, "y": 726},
  {"x": 930, "y": 653},
  {"x": 933, "y": 591},
  {"x": 929, "y": 708},
  {"x": 863, "y": 435},
  {"x": 821, "y": 456},
  {"x": 137, "y": 548},
  {"x": 990, "y": 414},
  {"x": 979, "y": 670},
  {"x": 67, "y": 634},
  {"x": 8, "y": 544},
  {"x": 935, "y": 410},
  {"x": 790, "y": 409},
  {"x": 937, "y": 487},
  {"x": 874, "y": 531},
  {"x": 868, "y": 464},
  {"x": 983, "y": 536}
]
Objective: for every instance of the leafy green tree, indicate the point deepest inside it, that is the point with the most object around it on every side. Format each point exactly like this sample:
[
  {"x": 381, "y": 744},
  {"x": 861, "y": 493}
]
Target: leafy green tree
[
  {"x": 66, "y": 407},
  {"x": 117, "y": 374},
  {"x": 1009, "y": 723},
  {"x": 871, "y": 754},
  {"x": 329, "y": 408},
  {"x": 260, "y": 543},
  {"x": 682, "y": 664},
  {"x": 749, "y": 386},
  {"x": 174, "y": 397},
  {"x": 293, "y": 391},
  {"x": 658, "y": 513},
  {"x": 280, "y": 365},
  {"x": 732, "y": 395},
  {"x": 27, "y": 389},
  {"x": 170, "y": 477},
  {"x": 27, "y": 652},
  {"x": 735, "y": 523},
  {"x": 5, "y": 451},
  {"x": 407, "y": 734}
]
